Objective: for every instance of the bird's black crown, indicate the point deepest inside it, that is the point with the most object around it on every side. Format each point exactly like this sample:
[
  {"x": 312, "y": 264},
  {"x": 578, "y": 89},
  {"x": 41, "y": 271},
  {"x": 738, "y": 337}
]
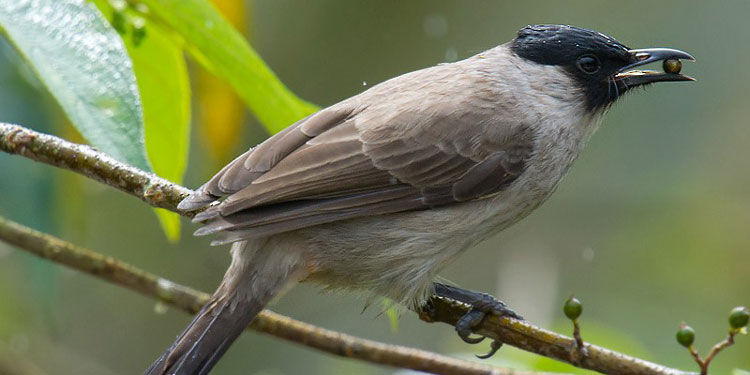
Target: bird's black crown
[
  {"x": 560, "y": 44},
  {"x": 591, "y": 57}
]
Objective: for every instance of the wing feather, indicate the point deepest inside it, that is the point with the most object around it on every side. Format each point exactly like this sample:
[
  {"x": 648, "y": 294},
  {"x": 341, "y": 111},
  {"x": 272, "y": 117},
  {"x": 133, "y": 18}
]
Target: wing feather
[
  {"x": 292, "y": 213},
  {"x": 351, "y": 161}
]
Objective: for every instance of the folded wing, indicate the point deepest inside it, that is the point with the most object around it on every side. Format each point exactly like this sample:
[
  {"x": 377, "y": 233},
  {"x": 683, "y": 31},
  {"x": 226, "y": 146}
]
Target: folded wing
[{"x": 352, "y": 160}]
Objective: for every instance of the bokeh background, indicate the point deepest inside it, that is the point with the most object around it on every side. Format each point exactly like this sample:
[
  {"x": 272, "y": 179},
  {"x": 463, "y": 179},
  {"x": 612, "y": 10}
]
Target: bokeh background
[{"x": 649, "y": 229}]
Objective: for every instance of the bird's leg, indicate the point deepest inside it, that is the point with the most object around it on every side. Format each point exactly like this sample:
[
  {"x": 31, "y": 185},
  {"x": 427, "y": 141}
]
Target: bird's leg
[{"x": 481, "y": 305}]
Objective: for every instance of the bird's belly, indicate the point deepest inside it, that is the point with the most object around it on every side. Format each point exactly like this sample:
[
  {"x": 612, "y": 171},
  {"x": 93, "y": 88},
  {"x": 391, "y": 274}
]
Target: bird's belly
[{"x": 399, "y": 255}]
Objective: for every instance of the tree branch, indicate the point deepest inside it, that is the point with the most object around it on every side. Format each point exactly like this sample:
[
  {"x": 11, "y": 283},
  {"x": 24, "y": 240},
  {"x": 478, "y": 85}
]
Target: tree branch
[
  {"x": 161, "y": 193},
  {"x": 525, "y": 336},
  {"x": 85, "y": 160}
]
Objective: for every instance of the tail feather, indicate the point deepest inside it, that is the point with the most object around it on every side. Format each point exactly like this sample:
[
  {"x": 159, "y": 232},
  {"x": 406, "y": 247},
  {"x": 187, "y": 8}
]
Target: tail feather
[
  {"x": 252, "y": 280},
  {"x": 207, "y": 337}
]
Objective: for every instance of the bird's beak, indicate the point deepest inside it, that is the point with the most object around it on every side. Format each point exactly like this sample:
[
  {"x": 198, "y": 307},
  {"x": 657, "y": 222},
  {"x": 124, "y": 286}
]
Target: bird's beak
[{"x": 631, "y": 77}]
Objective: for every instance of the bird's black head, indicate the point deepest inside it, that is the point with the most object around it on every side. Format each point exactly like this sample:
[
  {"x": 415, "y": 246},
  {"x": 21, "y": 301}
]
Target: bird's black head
[{"x": 598, "y": 62}]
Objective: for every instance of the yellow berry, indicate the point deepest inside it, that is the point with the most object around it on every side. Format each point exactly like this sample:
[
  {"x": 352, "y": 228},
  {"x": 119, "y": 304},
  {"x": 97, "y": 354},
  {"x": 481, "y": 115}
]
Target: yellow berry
[{"x": 672, "y": 66}]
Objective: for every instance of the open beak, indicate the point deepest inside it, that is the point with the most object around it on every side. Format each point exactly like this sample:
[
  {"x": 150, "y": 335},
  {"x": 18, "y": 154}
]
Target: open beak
[{"x": 631, "y": 77}]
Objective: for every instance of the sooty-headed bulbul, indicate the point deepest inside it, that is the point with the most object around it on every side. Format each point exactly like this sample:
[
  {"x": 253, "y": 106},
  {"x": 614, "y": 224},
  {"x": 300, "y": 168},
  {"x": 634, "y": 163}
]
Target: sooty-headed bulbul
[{"x": 380, "y": 191}]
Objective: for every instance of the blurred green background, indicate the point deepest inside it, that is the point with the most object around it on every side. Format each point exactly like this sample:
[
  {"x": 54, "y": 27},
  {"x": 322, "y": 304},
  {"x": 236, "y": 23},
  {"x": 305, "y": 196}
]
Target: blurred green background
[{"x": 648, "y": 230}]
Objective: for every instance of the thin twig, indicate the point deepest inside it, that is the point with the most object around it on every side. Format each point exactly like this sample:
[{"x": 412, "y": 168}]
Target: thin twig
[
  {"x": 721, "y": 345},
  {"x": 579, "y": 350},
  {"x": 698, "y": 359},
  {"x": 190, "y": 300},
  {"x": 161, "y": 193}
]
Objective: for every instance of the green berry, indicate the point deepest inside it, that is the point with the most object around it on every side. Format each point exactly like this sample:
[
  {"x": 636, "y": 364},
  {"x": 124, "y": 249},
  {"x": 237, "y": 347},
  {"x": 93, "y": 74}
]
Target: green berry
[
  {"x": 573, "y": 308},
  {"x": 685, "y": 335},
  {"x": 739, "y": 317}
]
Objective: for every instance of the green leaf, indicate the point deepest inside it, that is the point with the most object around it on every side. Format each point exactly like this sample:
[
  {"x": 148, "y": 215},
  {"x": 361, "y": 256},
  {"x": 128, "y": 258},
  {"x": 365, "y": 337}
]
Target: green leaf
[
  {"x": 391, "y": 311},
  {"x": 216, "y": 45},
  {"x": 164, "y": 86},
  {"x": 165, "y": 91},
  {"x": 82, "y": 61},
  {"x": 170, "y": 224}
]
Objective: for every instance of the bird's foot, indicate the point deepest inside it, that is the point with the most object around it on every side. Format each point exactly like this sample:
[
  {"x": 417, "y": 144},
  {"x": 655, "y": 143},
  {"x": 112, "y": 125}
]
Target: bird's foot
[{"x": 481, "y": 305}]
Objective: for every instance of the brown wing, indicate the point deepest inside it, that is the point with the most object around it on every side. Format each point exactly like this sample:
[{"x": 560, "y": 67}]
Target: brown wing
[
  {"x": 352, "y": 161},
  {"x": 246, "y": 168}
]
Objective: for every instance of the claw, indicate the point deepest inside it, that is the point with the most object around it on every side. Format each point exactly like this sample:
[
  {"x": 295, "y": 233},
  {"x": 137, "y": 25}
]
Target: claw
[
  {"x": 466, "y": 323},
  {"x": 488, "y": 303},
  {"x": 482, "y": 304},
  {"x": 470, "y": 340},
  {"x": 494, "y": 347}
]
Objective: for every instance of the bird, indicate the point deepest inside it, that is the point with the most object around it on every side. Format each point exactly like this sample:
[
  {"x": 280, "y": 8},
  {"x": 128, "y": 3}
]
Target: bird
[{"x": 377, "y": 193}]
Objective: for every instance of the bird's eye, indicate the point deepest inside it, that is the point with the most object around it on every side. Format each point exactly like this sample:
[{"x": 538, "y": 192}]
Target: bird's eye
[{"x": 588, "y": 64}]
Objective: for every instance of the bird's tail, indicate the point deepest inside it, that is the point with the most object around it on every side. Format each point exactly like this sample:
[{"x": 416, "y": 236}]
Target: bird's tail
[{"x": 252, "y": 280}]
